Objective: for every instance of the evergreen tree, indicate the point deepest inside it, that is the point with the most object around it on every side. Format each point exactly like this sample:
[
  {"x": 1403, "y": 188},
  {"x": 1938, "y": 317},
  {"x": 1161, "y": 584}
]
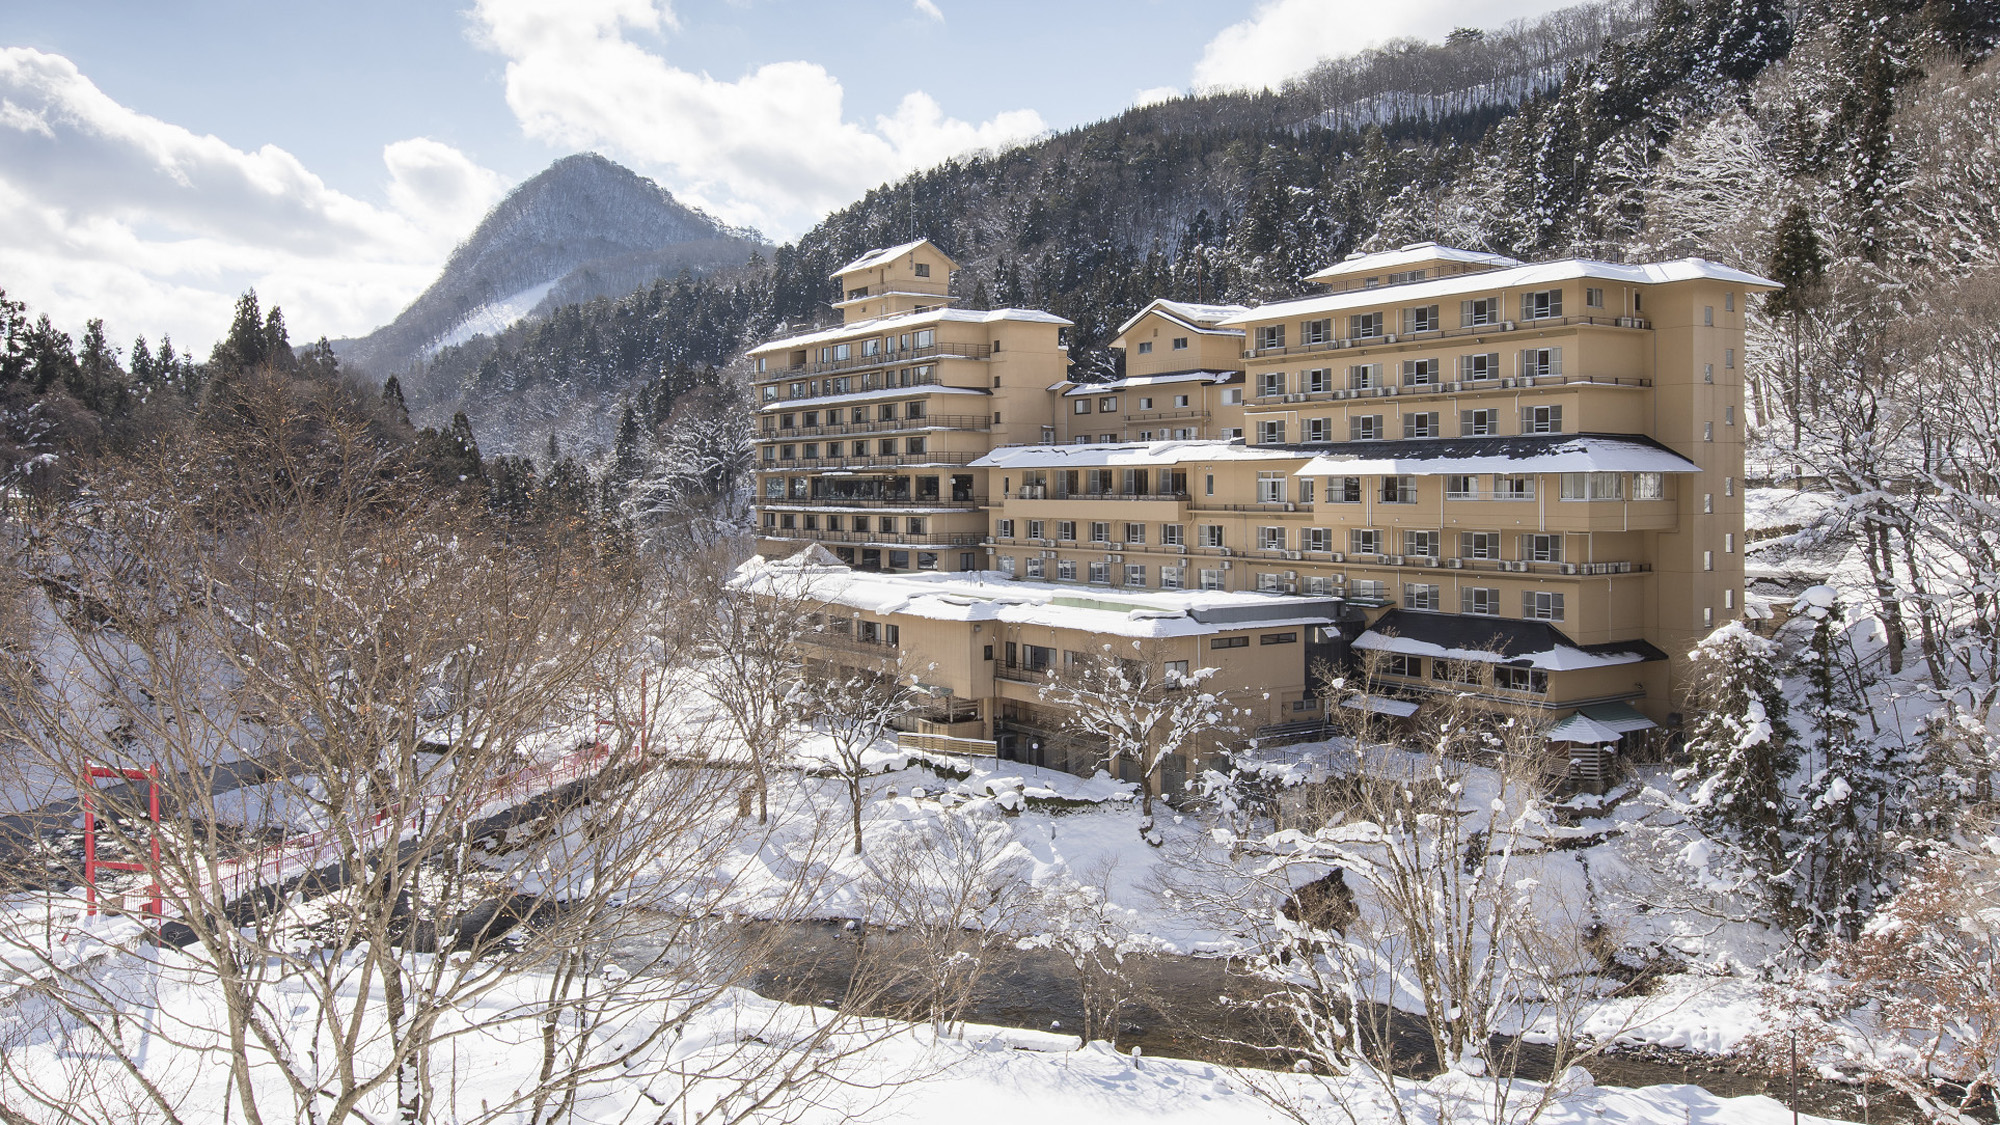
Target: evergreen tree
[
  {"x": 1743, "y": 753},
  {"x": 51, "y": 356},
  {"x": 392, "y": 401},
  {"x": 243, "y": 347},
  {"x": 277, "y": 345},
  {"x": 627, "y": 458},
  {"x": 14, "y": 337},
  {"x": 140, "y": 362},
  {"x": 1841, "y": 855},
  {"x": 95, "y": 379},
  {"x": 1798, "y": 262}
]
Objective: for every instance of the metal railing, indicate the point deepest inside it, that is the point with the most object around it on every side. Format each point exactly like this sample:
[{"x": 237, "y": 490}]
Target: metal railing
[
  {"x": 971, "y": 423},
  {"x": 821, "y": 503},
  {"x": 1032, "y": 493},
  {"x": 1494, "y": 329},
  {"x": 874, "y": 538},
  {"x": 940, "y": 458},
  {"x": 885, "y": 359}
]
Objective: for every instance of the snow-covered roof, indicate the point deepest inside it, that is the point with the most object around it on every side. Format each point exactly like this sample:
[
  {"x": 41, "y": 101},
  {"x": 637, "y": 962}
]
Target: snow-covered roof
[
  {"x": 992, "y": 596},
  {"x": 1516, "y": 277},
  {"x": 897, "y": 322},
  {"x": 883, "y": 257},
  {"x": 1380, "y": 705},
  {"x": 1581, "y": 729},
  {"x": 1496, "y": 640},
  {"x": 1130, "y": 454},
  {"x": 1526, "y": 453},
  {"x": 1416, "y": 252},
  {"x": 1085, "y": 390},
  {"x": 1200, "y": 318}
]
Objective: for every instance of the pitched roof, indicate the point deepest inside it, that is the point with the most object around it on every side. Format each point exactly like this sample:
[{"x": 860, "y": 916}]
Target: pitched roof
[
  {"x": 1496, "y": 640},
  {"x": 884, "y": 256},
  {"x": 898, "y": 321},
  {"x": 1521, "y": 453},
  {"x": 1129, "y": 454},
  {"x": 1357, "y": 263},
  {"x": 1199, "y": 318}
]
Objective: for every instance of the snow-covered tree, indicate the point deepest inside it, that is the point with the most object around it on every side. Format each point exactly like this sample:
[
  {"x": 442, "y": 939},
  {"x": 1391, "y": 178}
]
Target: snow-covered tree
[
  {"x": 1842, "y": 821},
  {"x": 855, "y": 708},
  {"x": 1101, "y": 941},
  {"x": 1144, "y": 708},
  {"x": 1743, "y": 753}
]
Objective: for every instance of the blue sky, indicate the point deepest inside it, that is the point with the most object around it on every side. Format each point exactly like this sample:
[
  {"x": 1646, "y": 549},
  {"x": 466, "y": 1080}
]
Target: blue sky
[{"x": 156, "y": 158}]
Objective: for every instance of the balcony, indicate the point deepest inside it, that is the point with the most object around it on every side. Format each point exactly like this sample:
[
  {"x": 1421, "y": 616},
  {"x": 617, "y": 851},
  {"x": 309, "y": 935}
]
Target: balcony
[
  {"x": 885, "y": 359},
  {"x": 875, "y": 538},
  {"x": 849, "y": 643},
  {"x": 926, "y": 503},
  {"x": 877, "y": 462},
  {"x": 1494, "y": 329},
  {"x": 967, "y": 423},
  {"x": 1032, "y": 492},
  {"x": 1448, "y": 387},
  {"x": 1022, "y": 675}
]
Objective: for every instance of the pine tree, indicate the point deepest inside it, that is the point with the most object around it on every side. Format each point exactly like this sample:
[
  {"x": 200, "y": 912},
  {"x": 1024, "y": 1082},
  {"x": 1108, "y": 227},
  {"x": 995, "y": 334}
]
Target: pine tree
[
  {"x": 392, "y": 401},
  {"x": 1743, "y": 753},
  {"x": 243, "y": 347},
  {"x": 626, "y": 456},
  {"x": 1842, "y": 822}
]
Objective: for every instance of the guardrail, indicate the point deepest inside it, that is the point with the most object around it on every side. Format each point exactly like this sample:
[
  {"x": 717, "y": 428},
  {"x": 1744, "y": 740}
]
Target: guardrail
[{"x": 948, "y": 744}]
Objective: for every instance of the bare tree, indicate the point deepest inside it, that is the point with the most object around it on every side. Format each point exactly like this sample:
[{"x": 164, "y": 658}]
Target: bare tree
[
  {"x": 856, "y": 708},
  {"x": 751, "y": 663}
]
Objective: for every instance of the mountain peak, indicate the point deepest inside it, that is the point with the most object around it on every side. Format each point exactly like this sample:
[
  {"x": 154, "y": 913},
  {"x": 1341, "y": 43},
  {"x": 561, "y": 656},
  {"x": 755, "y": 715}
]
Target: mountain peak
[{"x": 584, "y": 227}]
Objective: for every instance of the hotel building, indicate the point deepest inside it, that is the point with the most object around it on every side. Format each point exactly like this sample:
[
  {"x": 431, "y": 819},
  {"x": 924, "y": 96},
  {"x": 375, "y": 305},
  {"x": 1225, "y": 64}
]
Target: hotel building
[{"x": 1517, "y": 480}]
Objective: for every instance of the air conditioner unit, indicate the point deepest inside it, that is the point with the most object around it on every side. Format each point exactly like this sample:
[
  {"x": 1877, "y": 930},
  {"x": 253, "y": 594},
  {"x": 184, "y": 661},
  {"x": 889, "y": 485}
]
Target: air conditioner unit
[
  {"x": 1294, "y": 555},
  {"x": 1389, "y": 339},
  {"x": 988, "y": 540},
  {"x": 1291, "y": 576},
  {"x": 1339, "y": 394},
  {"x": 1336, "y": 556},
  {"x": 1180, "y": 548},
  {"x": 1291, "y": 587},
  {"x": 1506, "y": 326},
  {"x": 1291, "y": 507},
  {"x": 1393, "y": 390},
  {"x": 1226, "y": 564},
  {"x": 1114, "y": 558},
  {"x": 1048, "y": 554},
  {"x": 1455, "y": 564},
  {"x": 1426, "y": 560},
  {"x": 1527, "y": 380},
  {"x": 1118, "y": 546},
  {"x": 1453, "y": 388},
  {"x": 1395, "y": 560},
  {"x": 1505, "y": 383},
  {"x": 1569, "y": 568}
]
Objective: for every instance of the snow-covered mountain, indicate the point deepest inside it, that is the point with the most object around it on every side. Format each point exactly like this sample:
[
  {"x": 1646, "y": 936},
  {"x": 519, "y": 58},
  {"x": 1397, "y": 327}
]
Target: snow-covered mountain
[{"x": 585, "y": 227}]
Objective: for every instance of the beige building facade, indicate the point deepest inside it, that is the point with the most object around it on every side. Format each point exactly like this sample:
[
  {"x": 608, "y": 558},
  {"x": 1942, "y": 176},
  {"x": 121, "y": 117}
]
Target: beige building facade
[{"x": 1518, "y": 480}]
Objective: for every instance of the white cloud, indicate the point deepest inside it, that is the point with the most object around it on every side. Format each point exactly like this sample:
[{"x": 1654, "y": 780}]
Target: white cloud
[
  {"x": 109, "y": 212},
  {"x": 1286, "y": 37},
  {"x": 773, "y": 148},
  {"x": 928, "y": 8},
  {"x": 1154, "y": 95}
]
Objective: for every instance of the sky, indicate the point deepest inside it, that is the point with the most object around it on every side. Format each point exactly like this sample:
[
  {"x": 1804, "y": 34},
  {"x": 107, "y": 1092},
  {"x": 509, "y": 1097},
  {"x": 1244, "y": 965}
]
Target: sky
[{"x": 158, "y": 158}]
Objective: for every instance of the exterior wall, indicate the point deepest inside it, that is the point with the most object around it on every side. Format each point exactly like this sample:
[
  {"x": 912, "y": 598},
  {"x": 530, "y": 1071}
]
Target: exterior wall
[{"x": 1206, "y": 349}]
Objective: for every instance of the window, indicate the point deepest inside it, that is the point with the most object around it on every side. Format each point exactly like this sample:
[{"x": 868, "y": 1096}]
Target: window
[
  {"x": 1135, "y": 574},
  {"x": 1364, "y": 541},
  {"x": 1082, "y": 406},
  {"x": 1708, "y": 373},
  {"x": 1270, "y": 336},
  {"x": 1036, "y": 529},
  {"x": 1420, "y": 372},
  {"x": 1593, "y": 298},
  {"x": 923, "y": 269},
  {"x": 910, "y": 445},
  {"x": 1473, "y": 368},
  {"x": 1400, "y": 665},
  {"x": 1541, "y": 419},
  {"x": 1421, "y": 425},
  {"x": 1065, "y": 570},
  {"x": 1035, "y": 568},
  {"x": 1180, "y": 343},
  {"x": 1479, "y": 544},
  {"x": 1461, "y": 488},
  {"x": 1368, "y": 588},
  {"x": 1729, "y": 416},
  {"x": 1478, "y": 423},
  {"x": 1534, "y": 681},
  {"x": 1173, "y": 577},
  {"x": 1708, "y": 431},
  {"x": 1729, "y": 302},
  {"x": 1270, "y": 383},
  {"x": 1708, "y": 316},
  {"x": 915, "y": 525},
  {"x": 1729, "y": 357},
  {"x": 1172, "y": 534},
  {"x": 1314, "y": 332},
  {"x": 1420, "y": 595},
  {"x": 1423, "y": 544},
  {"x": 1145, "y": 347},
  {"x": 1180, "y": 402},
  {"x": 1513, "y": 487},
  {"x": 1316, "y": 381},
  {"x": 1593, "y": 486},
  {"x": 1230, "y": 642},
  {"x": 1232, "y": 396},
  {"x": 1316, "y": 539},
  {"x": 1271, "y": 487},
  {"x": 1209, "y": 534},
  {"x": 1317, "y": 429},
  {"x": 1423, "y": 318},
  {"x": 1729, "y": 486},
  {"x": 1100, "y": 531},
  {"x": 1729, "y": 599},
  {"x": 1211, "y": 579},
  {"x": 1107, "y": 405},
  {"x": 1065, "y": 529},
  {"x": 1542, "y": 605},
  {"x": 1399, "y": 490},
  {"x": 1100, "y": 574},
  {"x": 1306, "y": 491},
  {"x": 1007, "y": 565},
  {"x": 1708, "y": 617},
  {"x": 1708, "y": 560},
  {"x": 1541, "y": 361},
  {"x": 1472, "y": 314},
  {"x": 1291, "y": 638},
  {"x": 1003, "y": 529},
  {"x": 1271, "y": 431},
  {"x": 1542, "y": 548},
  {"x": 1363, "y": 376},
  {"x": 1484, "y": 600},
  {"x": 1270, "y": 538},
  {"x": 1708, "y": 503},
  {"x": 1649, "y": 486},
  {"x": 1364, "y": 427},
  {"x": 1135, "y": 533},
  {"x": 1145, "y": 404},
  {"x": 1541, "y": 304},
  {"x": 1319, "y": 584},
  {"x": 1729, "y": 543},
  {"x": 1343, "y": 490},
  {"x": 1364, "y": 326}
]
